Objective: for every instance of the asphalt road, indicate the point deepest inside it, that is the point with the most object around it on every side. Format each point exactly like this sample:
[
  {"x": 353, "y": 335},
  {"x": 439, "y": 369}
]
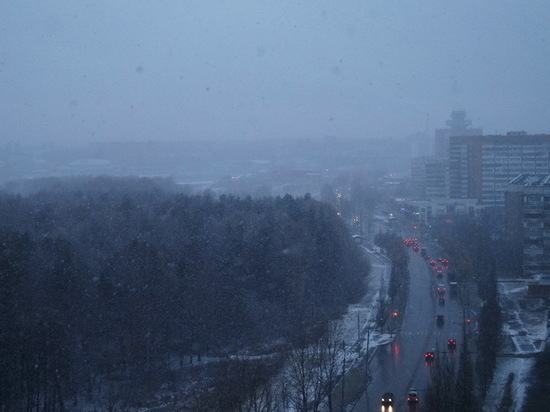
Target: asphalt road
[{"x": 401, "y": 365}]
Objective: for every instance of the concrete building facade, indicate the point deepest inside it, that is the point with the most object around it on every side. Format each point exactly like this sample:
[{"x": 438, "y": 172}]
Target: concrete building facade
[
  {"x": 429, "y": 177},
  {"x": 465, "y": 167},
  {"x": 481, "y": 167},
  {"x": 437, "y": 176},
  {"x": 426, "y": 211},
  {"x": 528, "y": 216}
]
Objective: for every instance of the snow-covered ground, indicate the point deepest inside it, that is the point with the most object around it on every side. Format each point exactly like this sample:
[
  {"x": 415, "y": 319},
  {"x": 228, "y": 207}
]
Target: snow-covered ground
[
  {"x": 359, "y": 321},
  {"x": 521, "y": 368},
  {"x": 525, "y": 331},
  {"x": 356, "y": 328},
  {"x": 358, "y": 325}
]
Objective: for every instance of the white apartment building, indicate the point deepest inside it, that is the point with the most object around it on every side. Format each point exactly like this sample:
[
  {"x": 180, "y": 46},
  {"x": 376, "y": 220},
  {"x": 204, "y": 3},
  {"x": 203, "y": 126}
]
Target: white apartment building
[{"x": 481, "y": 167}]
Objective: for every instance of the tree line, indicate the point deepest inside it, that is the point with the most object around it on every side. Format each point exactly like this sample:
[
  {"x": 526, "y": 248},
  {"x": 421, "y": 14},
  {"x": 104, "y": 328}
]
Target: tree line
[
  {"x": 398, "y": 285},
  {"x": 469, "y": 245},
  {"x": 109, "y": 280}
]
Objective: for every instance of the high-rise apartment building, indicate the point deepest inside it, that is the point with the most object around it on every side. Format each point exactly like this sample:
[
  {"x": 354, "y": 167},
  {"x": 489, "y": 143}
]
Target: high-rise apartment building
[
  {"x": 481, "y": 166},
  {"x": 465, "y": 167},
  {"x": 528, "y": 217}
]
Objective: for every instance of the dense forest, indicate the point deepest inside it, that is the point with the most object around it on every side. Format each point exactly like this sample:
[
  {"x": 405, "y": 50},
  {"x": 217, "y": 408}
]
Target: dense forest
[{"x": 111, "y": 279}]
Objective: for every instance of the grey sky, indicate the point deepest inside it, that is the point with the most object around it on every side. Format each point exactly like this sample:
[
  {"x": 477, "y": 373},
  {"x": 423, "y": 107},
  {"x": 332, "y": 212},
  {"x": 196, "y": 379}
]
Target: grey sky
[{"x": 228, "y": 69}]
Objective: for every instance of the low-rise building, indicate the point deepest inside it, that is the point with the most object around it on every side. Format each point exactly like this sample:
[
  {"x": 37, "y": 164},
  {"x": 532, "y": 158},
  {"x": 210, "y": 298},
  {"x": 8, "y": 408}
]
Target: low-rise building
[
  {"x": 426, "y": 211},
  {"x": 539, "y": 286}
]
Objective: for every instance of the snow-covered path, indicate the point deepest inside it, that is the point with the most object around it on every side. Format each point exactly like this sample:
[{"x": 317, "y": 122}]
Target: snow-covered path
[{"x": 526, "y": 334}]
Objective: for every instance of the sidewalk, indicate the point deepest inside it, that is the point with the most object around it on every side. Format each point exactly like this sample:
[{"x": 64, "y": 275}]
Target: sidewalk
[
  {"x": 359, "y": 323},
  {"x": 359, "y": 327},
  {"x": 526, "y": 333}
]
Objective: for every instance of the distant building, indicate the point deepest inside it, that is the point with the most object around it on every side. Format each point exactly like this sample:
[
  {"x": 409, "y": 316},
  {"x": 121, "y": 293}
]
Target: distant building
[
  {"x": 418, "y": 174},
  {"x": 528, "y": 216},
  {"x": 465, "y": 167},
  {"x": 429, "y": 177},
  {"x": 437, "y": 176},
  {"x": 426, "y": 211},
  {"x": 481, "y": 167},
  {"x": 458, "y": 126},
  {"x": 430, "y": 174}
]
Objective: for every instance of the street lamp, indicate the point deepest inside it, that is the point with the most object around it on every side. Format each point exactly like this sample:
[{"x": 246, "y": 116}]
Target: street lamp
[
  {"x": 343, "y": 374},
  {"x": 367, "y": 375}
]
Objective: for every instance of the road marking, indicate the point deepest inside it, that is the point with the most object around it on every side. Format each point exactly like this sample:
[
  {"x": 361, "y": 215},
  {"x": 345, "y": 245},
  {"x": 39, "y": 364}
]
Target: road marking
[{"x": 417, "y": 333}]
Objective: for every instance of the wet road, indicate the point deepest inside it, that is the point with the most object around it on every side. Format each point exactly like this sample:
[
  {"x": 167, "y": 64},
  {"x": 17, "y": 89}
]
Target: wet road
[{"x": 400, "y": 366}]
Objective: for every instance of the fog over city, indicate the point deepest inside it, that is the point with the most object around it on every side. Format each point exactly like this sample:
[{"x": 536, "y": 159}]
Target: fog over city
[
  {"x": 275, "y": 206},
  {"x": 208, "y": 70}
]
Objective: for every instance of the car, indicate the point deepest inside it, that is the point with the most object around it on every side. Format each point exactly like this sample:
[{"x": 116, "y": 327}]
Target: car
[
  {"x": 440, "y": 319},
  {"x": 441, "y": 289},
  {"x": 429, "y": 356},
  {"x": 412, "y": 397},
  {"x": 442, "y": 301},
  {"x": 387, "y": 399},
  {"x": 451, "y": 344}
]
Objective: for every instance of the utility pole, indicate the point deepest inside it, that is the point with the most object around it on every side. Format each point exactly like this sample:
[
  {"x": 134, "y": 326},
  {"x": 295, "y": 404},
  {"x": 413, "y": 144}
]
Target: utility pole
[
  {"x": 343, "y": 375},
  {"x": 358, "y": 327},
  {"x": 367, "y": 375}
]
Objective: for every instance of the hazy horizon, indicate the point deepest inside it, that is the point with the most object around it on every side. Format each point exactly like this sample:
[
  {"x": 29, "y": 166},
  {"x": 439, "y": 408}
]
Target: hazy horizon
[{"x": 74, "y": 72}]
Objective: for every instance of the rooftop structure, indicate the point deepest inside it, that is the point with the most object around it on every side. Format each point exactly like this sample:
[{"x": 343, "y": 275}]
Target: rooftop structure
[{"x": 458, "y": 125}]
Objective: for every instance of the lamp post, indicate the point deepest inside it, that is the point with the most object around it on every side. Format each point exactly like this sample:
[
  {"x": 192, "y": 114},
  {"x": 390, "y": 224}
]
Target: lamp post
[
  {"x": 367, "y": 375},
  {"x": 343, "y": 375}
]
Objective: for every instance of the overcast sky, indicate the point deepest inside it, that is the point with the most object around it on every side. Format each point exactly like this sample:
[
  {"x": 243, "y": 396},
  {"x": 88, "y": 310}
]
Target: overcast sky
[{"x": 230, "y": 69}]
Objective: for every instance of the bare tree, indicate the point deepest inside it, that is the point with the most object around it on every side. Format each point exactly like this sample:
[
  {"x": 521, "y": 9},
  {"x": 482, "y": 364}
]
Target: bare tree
[
  {"x": 330, "y": 351},
  {"x": 313, "y": 370},
  {"x": 304, "y": 378},
  {"x": 442, "y": 392}
]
